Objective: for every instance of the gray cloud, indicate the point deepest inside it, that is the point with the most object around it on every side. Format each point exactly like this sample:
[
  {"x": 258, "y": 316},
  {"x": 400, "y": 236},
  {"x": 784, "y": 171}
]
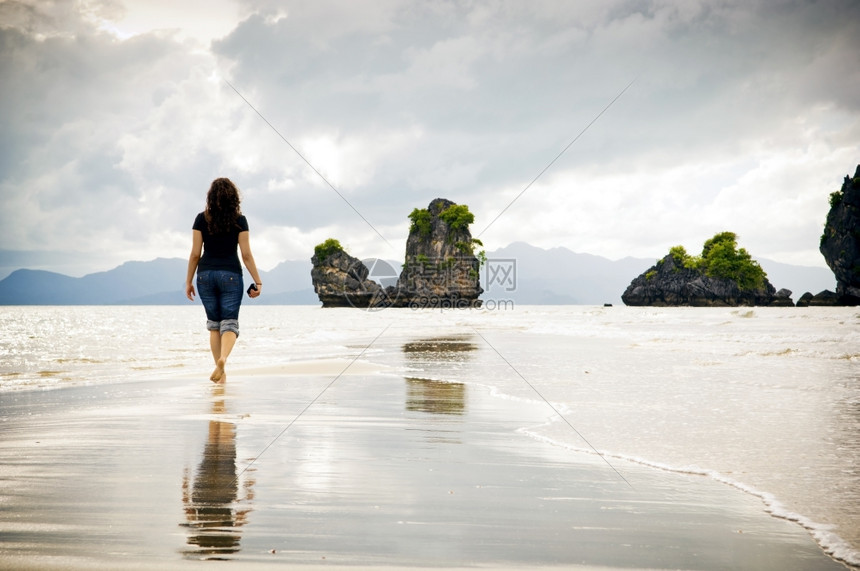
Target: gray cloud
[
  {"x": 109, "y": 143},
  {"x": 497, "y": 95}
]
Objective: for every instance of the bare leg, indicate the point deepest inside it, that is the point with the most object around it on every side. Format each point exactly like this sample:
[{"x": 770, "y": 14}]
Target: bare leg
[
  {"x": 215, "y": 344},
  {"x": 227, "y": 341}
]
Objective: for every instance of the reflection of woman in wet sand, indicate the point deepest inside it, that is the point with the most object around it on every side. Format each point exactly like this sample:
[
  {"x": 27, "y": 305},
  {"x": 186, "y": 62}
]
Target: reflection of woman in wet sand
[
  {"x": 209, "y": 504},
  {"x": 218, "y": 231}
]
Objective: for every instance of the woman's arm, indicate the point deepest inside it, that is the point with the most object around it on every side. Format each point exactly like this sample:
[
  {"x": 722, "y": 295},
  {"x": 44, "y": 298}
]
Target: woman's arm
[
  {"x": 193, "y": 260},
  {"x": 248, "y": 259}
]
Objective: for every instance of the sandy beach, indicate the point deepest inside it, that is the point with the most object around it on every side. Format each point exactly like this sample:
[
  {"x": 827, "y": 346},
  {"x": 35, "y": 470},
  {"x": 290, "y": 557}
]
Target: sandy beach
[{"x": 381, "y": 471}]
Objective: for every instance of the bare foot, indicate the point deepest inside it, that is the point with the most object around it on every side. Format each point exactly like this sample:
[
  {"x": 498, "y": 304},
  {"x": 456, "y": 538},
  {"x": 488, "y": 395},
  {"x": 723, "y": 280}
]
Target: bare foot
[{"x": 218, "y": 374}]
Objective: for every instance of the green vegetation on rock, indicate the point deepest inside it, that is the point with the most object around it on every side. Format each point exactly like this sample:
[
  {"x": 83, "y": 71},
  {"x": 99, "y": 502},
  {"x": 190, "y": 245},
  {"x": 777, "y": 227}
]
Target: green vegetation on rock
[
  {"x": 324, "y": 250},
  {"x": 683, "y": 259},
  {"x": 721, "y": 258},
  {"x": 468, "y": 248},
  {"x": 421, "y": 220},
  {"x": 835, "y": 198},
  {"x": 457, "y": 216},
  {"x": 482, "y": 258}
]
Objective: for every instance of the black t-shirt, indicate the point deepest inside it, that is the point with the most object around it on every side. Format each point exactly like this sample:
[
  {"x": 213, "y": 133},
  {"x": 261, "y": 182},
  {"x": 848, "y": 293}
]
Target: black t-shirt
[{"x": 219, "y": 250}]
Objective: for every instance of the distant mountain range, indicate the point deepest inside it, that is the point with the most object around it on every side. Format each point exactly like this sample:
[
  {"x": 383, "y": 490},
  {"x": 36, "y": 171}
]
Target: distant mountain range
[
  {"x": 519, "y": 272},
  {"x": 157, "y": 282}
]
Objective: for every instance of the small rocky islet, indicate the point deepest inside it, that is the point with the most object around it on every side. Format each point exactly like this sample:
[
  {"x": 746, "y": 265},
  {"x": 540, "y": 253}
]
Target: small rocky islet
[{"x": 722, "y": 276}]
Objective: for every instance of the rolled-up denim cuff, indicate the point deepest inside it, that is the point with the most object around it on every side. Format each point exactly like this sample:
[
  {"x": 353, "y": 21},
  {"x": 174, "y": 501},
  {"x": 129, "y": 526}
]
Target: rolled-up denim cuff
[
  {"x": 230, "y": 325},
  {"x": 213, "y": 325}
]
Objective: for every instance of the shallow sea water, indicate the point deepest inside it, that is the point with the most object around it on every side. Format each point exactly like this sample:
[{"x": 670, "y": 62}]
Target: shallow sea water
[{"x": 763, "y": 399}]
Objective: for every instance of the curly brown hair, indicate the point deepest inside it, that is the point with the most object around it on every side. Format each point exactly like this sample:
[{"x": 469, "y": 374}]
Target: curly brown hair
[{"x": 222, "y": 206}]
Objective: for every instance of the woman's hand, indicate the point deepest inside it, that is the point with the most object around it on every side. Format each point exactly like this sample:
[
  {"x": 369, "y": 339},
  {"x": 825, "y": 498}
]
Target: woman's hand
[
  {"x": 193, "y": 260},
  {"x": 255, "y": 292}
]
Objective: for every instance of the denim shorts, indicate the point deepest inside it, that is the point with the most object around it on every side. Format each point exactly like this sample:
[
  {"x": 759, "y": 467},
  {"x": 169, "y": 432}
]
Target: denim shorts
[{"x": 221, "y": 294}]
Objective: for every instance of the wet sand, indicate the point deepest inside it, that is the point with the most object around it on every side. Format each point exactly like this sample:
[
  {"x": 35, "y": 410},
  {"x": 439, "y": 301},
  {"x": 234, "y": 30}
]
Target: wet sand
[{"x": 381, "y": 471}]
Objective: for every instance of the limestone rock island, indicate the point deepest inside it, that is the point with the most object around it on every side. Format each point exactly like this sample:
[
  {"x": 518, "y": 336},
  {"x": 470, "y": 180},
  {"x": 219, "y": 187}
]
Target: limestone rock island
[
  {"x": 840, "y": 242},
  {"x": 342, "y": 280},
  {"x": 440, "y": 268},
  {"x": 722, "y": 276}
]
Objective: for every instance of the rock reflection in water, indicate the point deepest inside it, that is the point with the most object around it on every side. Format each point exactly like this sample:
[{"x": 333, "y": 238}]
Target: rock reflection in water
[
  {"x": 210, "y": 504},
  {"x": 435, "y": 396},
  {"x": 437, "y": 347}
]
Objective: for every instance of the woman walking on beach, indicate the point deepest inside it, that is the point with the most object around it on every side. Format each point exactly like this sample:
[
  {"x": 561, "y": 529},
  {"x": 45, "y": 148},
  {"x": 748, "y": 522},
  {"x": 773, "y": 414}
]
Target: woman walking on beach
[{"x": 218, "y": 230}]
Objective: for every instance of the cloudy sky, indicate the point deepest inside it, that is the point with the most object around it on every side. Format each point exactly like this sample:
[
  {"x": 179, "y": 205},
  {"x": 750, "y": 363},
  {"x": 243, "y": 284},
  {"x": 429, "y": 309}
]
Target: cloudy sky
[{"x": 116, "y": 115}]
